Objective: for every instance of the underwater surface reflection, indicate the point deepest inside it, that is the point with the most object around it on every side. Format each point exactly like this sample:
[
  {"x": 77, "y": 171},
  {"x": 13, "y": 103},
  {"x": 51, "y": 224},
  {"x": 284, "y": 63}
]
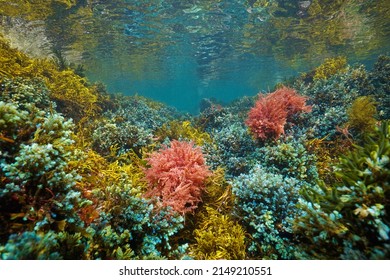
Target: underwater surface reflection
[{"x": 179, "y": 52}]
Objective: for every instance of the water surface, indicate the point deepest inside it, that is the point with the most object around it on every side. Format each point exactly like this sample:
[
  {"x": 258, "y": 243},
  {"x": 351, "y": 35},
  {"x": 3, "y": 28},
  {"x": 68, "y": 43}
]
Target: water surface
[{"x": 179, "y": 52}]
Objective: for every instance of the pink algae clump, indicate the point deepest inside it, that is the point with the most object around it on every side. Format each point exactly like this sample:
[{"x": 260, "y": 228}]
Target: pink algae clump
[
  {"x": 177, "y": 176},
  {"x": 271, "y": 112}
]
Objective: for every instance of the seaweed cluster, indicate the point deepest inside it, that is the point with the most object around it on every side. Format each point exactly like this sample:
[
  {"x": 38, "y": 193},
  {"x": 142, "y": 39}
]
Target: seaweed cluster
[
  {"x": 85, "y": 174},
  {"x": 266, "y": 202},
  {"x": 351, "y": 215},
  {"x": 269, "y": 116}
]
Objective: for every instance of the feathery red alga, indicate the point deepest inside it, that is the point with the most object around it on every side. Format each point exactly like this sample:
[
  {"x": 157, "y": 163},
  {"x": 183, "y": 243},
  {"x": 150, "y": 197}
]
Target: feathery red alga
[
  {"x": 271, "y": 112},
  {"x": 177, "y": 176}
]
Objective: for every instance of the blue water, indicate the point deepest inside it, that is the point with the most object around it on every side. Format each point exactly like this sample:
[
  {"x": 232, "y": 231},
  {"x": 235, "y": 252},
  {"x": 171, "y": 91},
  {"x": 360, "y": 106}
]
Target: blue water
[{"x": 184, "y": 83}]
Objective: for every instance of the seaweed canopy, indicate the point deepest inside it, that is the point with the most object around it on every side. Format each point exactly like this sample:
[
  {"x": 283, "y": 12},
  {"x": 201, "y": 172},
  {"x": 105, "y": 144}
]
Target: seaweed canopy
[
  {"x": 361, "y": 114},
  {"x": 330, "y": 67},
  {"x": 218, "y": 237},
  {"x": 179, "y": 130},
  {"x": 71, "y": 92}
]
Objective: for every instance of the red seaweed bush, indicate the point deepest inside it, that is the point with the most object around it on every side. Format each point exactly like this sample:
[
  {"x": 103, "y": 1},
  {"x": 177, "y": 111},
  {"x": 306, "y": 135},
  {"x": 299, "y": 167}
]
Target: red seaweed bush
[
  {"x": 271, "y": 112},
  {"x": 177, "y": 176}
]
